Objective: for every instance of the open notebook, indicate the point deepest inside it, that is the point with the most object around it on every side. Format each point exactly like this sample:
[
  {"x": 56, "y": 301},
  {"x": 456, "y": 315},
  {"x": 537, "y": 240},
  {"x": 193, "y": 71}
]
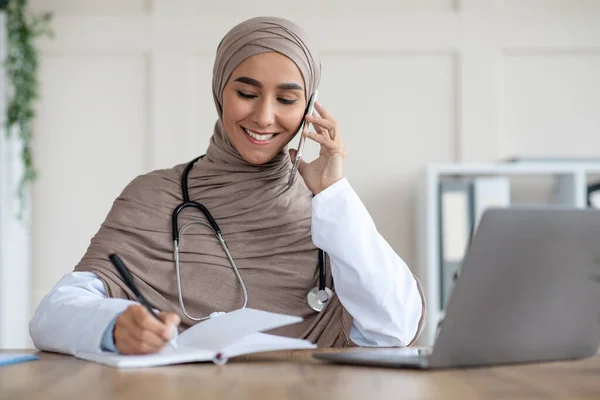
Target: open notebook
[{"x": 216, "y": 339}]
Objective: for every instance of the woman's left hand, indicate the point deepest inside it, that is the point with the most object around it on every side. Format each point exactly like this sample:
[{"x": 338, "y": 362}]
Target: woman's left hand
[{"x": 328, "y": 168}]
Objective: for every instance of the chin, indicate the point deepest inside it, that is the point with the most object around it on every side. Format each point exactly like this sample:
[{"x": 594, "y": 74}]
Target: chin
[{"x": 258, "y": 159}]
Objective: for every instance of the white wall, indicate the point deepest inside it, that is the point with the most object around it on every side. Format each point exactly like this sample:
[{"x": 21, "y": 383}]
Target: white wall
[
  {"x": 15, "y": 233},
  {"x": 126, "y": 89}
]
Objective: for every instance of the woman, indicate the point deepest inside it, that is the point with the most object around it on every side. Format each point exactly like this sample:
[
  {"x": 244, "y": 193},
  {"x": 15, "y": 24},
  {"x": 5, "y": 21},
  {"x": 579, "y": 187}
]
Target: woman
[{"x": 264, "y": 74}]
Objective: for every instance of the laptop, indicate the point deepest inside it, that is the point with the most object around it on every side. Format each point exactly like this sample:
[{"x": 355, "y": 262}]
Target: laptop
[{"x": 528, "y": 291}]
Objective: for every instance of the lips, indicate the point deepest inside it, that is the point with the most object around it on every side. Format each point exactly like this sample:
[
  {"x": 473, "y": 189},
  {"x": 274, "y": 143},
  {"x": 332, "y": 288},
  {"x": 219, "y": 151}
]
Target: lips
[{"x": 260, "y": 137}]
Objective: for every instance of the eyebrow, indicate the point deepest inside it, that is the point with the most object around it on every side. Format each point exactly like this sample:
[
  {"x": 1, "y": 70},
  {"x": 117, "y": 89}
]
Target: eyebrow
[{"x": 281, "y": 86}]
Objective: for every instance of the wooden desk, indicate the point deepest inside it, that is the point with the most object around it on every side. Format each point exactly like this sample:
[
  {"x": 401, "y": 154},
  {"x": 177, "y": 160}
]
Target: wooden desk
[{"x": 294, "y": 375}]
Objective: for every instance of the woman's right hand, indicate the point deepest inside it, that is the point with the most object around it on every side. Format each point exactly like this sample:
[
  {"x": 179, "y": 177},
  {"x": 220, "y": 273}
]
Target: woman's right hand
[{"x": 138, "y": 332}]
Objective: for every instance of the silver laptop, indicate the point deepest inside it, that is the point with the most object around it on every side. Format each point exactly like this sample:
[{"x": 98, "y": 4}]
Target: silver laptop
[{"x": 529, "y": 291}]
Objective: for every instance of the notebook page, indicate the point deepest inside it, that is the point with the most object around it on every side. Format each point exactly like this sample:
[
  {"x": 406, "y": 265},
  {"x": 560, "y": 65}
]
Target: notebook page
[
  {"x": 258, "y": 342},
  {"x": 166, "y": 357},
  {"x": 218, "y": 332}
]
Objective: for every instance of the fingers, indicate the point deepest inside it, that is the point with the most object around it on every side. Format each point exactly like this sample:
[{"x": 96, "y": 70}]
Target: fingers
[
  {"x": 324, "y": 123},
  {"x": 149, "y": 326},
  {"x": 317, "y": 127},
  {"x": 171, "y": 321},
  {"x": 322, "y": 126},
  {"x": 138, "y": 332},
  {"x": 136, "y": 328},
  {"x": 327, "y": 130},
  {"x": 323, "y": 112},
  {"x": 322, "y": 140},
  {"x": 127, "y": 342},
  {"x": 321, "y": 131}
]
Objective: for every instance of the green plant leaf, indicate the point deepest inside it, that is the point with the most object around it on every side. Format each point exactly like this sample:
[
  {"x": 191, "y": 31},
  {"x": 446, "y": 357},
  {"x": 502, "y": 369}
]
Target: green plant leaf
[{"x": 21, "y": 66}]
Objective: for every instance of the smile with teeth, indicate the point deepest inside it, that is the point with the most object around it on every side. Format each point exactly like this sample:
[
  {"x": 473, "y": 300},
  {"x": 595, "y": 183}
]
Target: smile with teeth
[{"x": 256, "y": 136}]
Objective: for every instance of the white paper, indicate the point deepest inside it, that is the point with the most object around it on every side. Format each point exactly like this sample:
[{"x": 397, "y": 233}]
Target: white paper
[
  {"x": 259, "y": 342},
  {"x": 165, "y": 357},
  {"x": 219, "y": 332}
]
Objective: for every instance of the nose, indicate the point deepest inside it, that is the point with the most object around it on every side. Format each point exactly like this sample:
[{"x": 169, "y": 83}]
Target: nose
[{"x": 264, "y": 114}]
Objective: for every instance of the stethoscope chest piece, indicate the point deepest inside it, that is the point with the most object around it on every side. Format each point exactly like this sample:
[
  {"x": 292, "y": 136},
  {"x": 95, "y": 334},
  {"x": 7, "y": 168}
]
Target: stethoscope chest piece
[{"x": 317, "y": 299}]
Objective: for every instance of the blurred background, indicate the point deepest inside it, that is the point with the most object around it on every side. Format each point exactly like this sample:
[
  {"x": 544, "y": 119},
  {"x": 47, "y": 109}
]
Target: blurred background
[{"x": 125, "y": 88}]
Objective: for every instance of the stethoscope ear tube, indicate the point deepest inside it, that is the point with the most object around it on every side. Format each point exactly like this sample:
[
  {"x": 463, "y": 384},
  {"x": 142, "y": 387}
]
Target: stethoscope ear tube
[{"x": 200, "y": 207}]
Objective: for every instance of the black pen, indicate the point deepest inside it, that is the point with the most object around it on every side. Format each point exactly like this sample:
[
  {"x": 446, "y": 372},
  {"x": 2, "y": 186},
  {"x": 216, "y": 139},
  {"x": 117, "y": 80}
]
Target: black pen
[{"x": 128, "y": 278}]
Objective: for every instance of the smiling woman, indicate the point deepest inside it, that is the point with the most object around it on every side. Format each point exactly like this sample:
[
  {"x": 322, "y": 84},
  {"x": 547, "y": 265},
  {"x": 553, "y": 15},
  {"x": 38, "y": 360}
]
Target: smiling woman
[
  {"x": 263, "y": 106},
  {"x": 265, "y": 70}
]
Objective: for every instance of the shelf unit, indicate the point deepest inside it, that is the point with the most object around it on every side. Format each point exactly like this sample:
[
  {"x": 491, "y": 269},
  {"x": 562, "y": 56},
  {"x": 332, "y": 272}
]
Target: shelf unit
[{"x": 570, "y": 179}]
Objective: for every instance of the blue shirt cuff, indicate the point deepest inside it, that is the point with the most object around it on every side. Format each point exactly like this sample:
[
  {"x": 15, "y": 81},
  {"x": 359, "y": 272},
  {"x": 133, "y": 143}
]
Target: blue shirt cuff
[{"x": 108, "y": 340}]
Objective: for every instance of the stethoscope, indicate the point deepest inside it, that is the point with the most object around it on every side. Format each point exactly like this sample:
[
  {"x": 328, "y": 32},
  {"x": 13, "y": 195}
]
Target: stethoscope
[{"x": 316, "y": 298}]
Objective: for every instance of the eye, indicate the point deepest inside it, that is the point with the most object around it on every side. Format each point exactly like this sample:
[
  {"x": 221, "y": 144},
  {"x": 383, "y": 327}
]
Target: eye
[
  {"x": 286, "y": 101},
  {"x": 245, "y": 95}
]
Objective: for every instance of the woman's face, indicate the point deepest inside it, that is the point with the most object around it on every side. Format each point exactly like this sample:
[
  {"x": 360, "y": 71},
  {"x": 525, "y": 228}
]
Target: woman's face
[{"x": 263, "y": 106}]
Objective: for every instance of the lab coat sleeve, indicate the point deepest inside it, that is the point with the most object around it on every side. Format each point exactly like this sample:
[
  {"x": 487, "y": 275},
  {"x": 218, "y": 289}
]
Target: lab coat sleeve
[
  {"x": 108, "y": 340},
  {"x": 75, "y": 315},
  {"x": 372, "y": 282}
]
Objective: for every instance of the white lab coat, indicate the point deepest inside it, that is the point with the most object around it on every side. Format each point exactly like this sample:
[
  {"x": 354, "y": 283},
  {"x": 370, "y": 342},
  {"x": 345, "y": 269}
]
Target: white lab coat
[{"x": 371, "y": 280}]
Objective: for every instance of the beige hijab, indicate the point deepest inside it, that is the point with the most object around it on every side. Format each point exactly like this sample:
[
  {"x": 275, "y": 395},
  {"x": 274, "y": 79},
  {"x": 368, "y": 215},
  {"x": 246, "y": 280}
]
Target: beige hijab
[{"x": 266, "y": 224}]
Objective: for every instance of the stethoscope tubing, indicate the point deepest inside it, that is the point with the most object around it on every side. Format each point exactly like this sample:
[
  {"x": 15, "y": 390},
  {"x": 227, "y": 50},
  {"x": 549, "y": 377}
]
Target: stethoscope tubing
[{"x": 212, "y": 224}]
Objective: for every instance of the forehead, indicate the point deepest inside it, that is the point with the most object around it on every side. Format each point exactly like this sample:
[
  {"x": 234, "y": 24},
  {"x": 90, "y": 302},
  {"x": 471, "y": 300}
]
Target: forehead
[{"x": 270, "y": 69}]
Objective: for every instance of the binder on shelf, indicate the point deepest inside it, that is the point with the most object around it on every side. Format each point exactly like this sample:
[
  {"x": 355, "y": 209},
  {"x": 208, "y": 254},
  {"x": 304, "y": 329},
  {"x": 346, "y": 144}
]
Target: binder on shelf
[
  {"x": 492, "y": 191},
  {"x": 455, "y": 227},
  {"x": 462, "y": 204}
]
